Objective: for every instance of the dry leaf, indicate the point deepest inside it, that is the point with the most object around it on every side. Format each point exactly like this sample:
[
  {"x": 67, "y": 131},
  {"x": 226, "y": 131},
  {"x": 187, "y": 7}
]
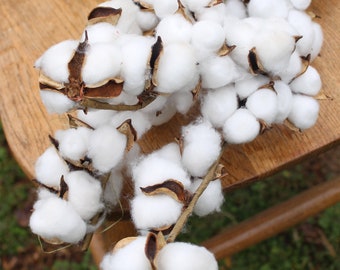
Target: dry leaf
[{"x": 104, "y": 14}]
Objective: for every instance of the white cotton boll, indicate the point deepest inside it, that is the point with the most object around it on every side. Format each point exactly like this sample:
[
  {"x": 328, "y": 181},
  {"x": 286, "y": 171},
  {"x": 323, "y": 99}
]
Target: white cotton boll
[
  {"x": 149, "y": 212},
  {"x": 103, "y": 62},
  {"x": 302, "y": 22},
  {"x": 55, "y": 102},
  {"x": 154, "y": 169},
  {"x": 127, "y": 22},
  {"x": 304, "y": 112},
  {"x": 73, "y": 142},
  {"x": 96, "y": 118},
  {"x": 55, "y": 218},
  {"x": 123, "y": 98},
  {"x": 219, "y": 104},
  {"x": 235, "y": 8},
  {"x": 241, "y": 127},
  {"x": 184, "y": 256},
  {"x": 203, "y": 29},
  {"x": 309, "y": 83},
  {"x": 249, "y": 85},
  {"x": 301, "y": 4},
  {"x": 44, "y": 194},
  {"x": 182, "y": 101},
  {"x": 218, "y": 71},
  {"x": 113, "y": 189},
  {"x": 293, "y": 68},
  {"x": 284, "y": 100},
  {"x": 156, "y": 105},
  {"x": 49, "y": 168},
  {"x": 195, "y": 5},
  {"x": 136, "y": 52},
  {"x": 53, "y": 63},
  {"x": 163, "y": 115},
  {"x": 131, "y": 158},
  {"x": 106, "y": 148},
  {"x": 263, "y": 104},
  {"x": 211, "y": 199},
  {"x": 165, "y": 7},
  {"x": 170, "y": 152},
  {"x": 274, "y": 49},
  {"x": 174, "y": 28},
  {"x": 215, "y": 13},
  {"x": 147, "y": 20},
  {"x": 176, "y": 68},
  {"x": 268, "y": 8},
  {"x": 101, "y": 32},
  {"x": 201, "y": 148},
  {"x": 84, "y": 194},
  {"x": 131, "y": 256},
  {"x": 318, "y": 40}
]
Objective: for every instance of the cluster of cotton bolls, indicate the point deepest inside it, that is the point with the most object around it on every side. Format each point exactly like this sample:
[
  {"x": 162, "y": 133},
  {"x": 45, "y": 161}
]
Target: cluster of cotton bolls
[{"x": 247, "y": 63}]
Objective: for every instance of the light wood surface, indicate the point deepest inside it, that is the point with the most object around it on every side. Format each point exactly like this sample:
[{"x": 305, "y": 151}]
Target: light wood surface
[{"x": 29, "y": 27}]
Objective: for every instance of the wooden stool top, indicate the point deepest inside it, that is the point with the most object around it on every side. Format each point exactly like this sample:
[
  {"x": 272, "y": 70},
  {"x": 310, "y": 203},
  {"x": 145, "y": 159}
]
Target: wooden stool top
[{"x": 28, "y": 28}]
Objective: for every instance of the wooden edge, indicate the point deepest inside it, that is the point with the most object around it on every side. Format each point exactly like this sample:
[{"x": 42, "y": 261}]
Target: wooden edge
[{"x": 275, "y": 219}]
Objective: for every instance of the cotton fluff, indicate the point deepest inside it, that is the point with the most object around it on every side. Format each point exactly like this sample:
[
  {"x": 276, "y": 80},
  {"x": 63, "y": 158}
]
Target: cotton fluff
[
  {"x": 215, "y": 13},
  {"x": 182, "y": 101},
  {"x": 155, "y": 169},
  {"x": 49, "y": 168},
  {"x": 184, "y": 256},
  {"x": 73, "y": 142},
  {"x": 309, "y": 83},
  {"x": 174, "y": 28},
  {"x": 263, "y": 104},
  {"x": 301, "y": 4},
  {"x": 113, "y": 189},
  {"x": 131, "y": 256},
  {"x": 56, "y": 102},
  {"x": 211, "y": 199},
  {"x": 268, "y": 8},
  {"x": 293, "y": 68},
  {"x": 195, "y": 5},
  {"x": 101, "y": 32},
  {"x": 84, "y": 194},
  {"x": 241, "y": 127},
  {"x": 147, "y": 20},
  {"x": 103, "y": 62},
  {"x": 53, "y": 63},
  {"x": 304, "y": 112},
  {"x": 95, "y": 118},
  {"x": 235, "y": 8},
  {"x": 157, "y": 211},
  {"x": 136, "y": 51},
  {"x": 54, "y": 218},
  {"x": 318, "y": 40},
  {"x": 201, "y": 147},
  {"x": 218, "y": 71},
  {"x": 218, "y": 104},
  {"x": 106, "y": 148},
  {"x": 249, "y": 84},
  {"x": 163, "y": 115},
  {"x": 284, "y": 100},
  {"x": 165, "y": 7},
  {"x": 177, "y": 68}
]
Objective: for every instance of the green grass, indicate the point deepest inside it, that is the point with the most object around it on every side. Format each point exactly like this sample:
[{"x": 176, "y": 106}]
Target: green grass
[{"x": 289, "y": 250}]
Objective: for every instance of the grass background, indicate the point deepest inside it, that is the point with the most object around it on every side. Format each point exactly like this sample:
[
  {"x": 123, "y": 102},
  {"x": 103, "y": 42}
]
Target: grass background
[{"x": 312, "y": 245}]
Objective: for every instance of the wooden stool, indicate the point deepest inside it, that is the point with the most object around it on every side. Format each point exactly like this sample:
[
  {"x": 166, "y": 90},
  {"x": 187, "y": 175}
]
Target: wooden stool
[{"x": 28, "y": 28}]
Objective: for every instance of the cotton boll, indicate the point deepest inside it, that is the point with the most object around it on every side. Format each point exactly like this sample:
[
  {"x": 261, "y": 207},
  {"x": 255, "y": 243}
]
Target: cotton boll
[
  {"x": 215, "y": 14},
  {"x": 149, "y": 212},
  {"x": 284, "y": 100},
  {"x": 268, "y": 8},
  {"x": 147, "y": 20},
  {"x": 56, "y": 102},
  {"x": 263, "y": 104},
  {"x": 96, "y": 118},
  {"x": 174, "y": 28},
  {"x": 101, "y": 32},
  {"x": 241, "y": 127},
  {"x": 218, "y": 71},
  {"x": 106, "y": 148},
  {"x": 235, "y": 8},
  {"x": 53, "y": 63},
  {"x": 165, "y": 7},
  {"x": 131, "y": 256},
  {"x": 177, "y": 68},
  {"x": 211, "y": 199},
  {"x": 162, "y": 115},
  {"x": 182, "y": 101},
  {"x": 293, "y": 68},
  {"x": 49, "y": 168},
  {"x": 84, "y": 194},
  {"x": 184, "y": 256},
  {"x": 301, "y": 4},
  {"x": 302, "y": 22},
  {"x": 170, "y": 152},
  {"x": 219, "y": 104},
  {"x": 309, "y": 83},
  {"x": 73, "y": 143},
  {"x": 55, "y": 218},
  {"x": 103, "y": 62},
  {"x": 248, "y": 85},
  {"x": 201, "y": 148},
  {"x": 195, "y": 5},
  {"x": 318, "y": 40},
  {"x": 304, "y": 112}
]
